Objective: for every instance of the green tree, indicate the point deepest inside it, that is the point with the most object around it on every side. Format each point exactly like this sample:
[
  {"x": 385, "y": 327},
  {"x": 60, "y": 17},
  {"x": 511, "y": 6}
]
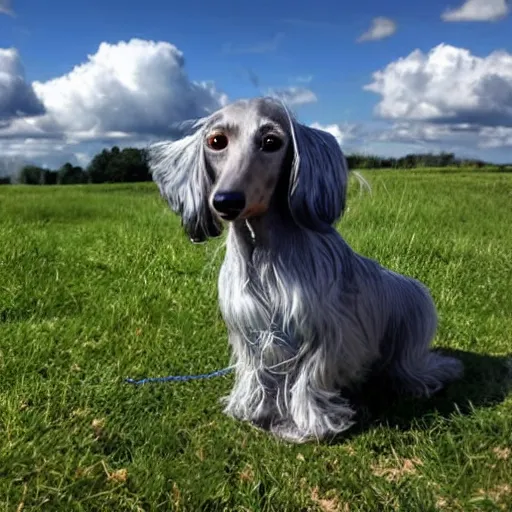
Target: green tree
[
  {"x": 71, "y": 175},
  {"x": 135, "y": 165},
  {"x": 49, "y": 177},
  {"x": 30, "y": 175},
  {"x": 116, "y": 166},
  {"x": 97, "y": 169}
]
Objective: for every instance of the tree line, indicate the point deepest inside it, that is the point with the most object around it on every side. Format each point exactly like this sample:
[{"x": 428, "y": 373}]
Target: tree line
[
  {"x": 419, "y": 161},
  {"x": 131, "y": 165},
  {"x": 109, "y": 166}
]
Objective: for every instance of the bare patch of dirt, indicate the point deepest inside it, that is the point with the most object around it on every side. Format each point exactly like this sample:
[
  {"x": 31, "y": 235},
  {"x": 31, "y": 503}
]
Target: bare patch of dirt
[
  {"x": 400, "y": 469},
  {"x": 328, "y": 504}
]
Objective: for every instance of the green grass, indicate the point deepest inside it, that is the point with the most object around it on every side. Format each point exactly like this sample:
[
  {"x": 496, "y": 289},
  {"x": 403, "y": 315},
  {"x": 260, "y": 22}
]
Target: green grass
[{"x": 98, "y": 283}]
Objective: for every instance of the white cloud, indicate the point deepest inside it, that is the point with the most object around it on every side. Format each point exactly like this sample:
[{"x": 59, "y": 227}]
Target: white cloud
[
  {"x": 448, "y": 84},
  {"x": 461, "y": 138},
  {"x": 14, "y": 154},
  {"x": 478, "y": 10},
  {"x": 5, "y": 7},
  {"x": 344, "y": 134},
  {"x": 380, "y": 28},
  {"x": 496, "y": 137},
  {"x": 17, "y": 97},
  {"x": 398, "y": 139},
  {"x": 446, "y": 100},
  {"x": 135, "y": 87},
  {"x": 294, "y": 95}
]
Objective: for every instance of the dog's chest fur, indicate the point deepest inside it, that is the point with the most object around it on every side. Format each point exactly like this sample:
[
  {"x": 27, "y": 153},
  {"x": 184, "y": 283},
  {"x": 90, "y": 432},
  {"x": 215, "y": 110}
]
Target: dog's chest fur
[
  {"x": 281, "y": 288},
  {"x": 256, "y": 295}
]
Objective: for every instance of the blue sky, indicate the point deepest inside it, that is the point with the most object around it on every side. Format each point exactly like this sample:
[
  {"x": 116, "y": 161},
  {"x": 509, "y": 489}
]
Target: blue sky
[{"x": 310, "y": 49}]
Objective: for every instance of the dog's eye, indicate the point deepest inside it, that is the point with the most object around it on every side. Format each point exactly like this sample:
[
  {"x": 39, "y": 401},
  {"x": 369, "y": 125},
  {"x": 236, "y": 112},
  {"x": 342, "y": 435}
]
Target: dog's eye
[
  {"x": 217, "y": 142},
  {"x": 271, "y": 143}
]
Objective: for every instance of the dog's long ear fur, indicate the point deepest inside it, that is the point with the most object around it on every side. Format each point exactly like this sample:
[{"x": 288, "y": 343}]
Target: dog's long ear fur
[
  {"x": 179, "y": 169},
  {"x": 318, "y": 178}
]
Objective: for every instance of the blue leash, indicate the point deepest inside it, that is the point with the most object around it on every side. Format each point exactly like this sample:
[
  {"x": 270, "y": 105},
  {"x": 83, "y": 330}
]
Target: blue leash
[{"x": 180, "y": 378}]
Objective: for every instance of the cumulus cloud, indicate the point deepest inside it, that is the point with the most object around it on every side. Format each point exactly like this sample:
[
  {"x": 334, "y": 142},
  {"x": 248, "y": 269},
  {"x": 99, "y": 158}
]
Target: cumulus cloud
[
  {"x": 478, "y": 10},
  {"x": 5, "y": 7},
  {"x": 380, "y": 28},
  {"x": 496, "y": 137},
  {"x": 294, "y": 95},
  {"x": 17, "y": 97},
  {"x": 135, "y": 87},
  {"x": 448, "y": 84},
  {"x": 446, "y": 99},
  {"x": 344, "y": 134}
]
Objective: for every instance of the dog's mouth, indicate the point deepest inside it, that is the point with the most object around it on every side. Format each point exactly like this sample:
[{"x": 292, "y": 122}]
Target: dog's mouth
[
  {"x": 229, "y": 216},
  {"x": 249, "y": 213}
]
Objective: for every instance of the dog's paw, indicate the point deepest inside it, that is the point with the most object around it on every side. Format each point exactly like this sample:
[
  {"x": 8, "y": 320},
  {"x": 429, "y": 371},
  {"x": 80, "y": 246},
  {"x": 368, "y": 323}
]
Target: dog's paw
[
  {"x": 288, "y": 431},
  {"x": 262, "y": 420},
  {"x": 230, "y": 409}
]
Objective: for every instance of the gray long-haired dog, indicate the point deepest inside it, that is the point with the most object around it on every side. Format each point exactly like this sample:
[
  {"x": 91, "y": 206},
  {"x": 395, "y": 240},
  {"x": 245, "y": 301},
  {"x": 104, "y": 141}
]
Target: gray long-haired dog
[{"x": 307, "y": 317}]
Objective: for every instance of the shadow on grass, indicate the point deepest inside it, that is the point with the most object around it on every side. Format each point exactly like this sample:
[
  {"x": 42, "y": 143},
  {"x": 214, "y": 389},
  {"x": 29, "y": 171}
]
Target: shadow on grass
[{"x": 487, "y": 381}]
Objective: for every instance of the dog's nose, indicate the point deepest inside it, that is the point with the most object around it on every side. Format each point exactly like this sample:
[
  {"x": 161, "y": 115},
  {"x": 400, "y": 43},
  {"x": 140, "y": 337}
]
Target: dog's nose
[{"x": 229, "y": 204}]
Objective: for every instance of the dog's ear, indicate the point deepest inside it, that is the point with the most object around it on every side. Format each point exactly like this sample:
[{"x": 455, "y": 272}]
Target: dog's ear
[
  {"x": 318, "y": 178},
  {"x": 180, "y": 171}
]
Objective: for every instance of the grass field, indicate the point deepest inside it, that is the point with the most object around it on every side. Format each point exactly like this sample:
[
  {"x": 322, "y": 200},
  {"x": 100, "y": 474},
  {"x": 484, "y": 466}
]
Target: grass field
[{"x": 98, "y": 283}]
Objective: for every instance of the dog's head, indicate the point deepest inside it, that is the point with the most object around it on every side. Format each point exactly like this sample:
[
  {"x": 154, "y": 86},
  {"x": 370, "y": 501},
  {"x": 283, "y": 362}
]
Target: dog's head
[{"x": 236, "y": 162}]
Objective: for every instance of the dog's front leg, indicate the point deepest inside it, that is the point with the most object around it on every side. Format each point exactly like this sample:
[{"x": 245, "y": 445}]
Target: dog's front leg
[
  {"x": 316, "y": 408},
  {"x": 253, "y": 398},
  {"x": 256, "y": 390}
]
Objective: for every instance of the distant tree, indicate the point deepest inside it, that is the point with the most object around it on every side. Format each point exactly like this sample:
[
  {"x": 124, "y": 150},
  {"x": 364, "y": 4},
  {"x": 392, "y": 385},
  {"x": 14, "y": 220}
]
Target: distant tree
[
  {"x": 31, "y": 175},
  {"x": 5, "y": 180},
  {"x": 49, "y": 177},
  {"x": 71, "y": 175},
  {"x": 447, "y": 159},
  {"x": 410, "y": 161},
  {"x": 97, "y": 169},
  {"x": 352, "y": 161},
  {"x": 115, "y": 171},
  {"x": 116, "y": 166},
  {"x": 407, "y": 162},
  {"x": 135, "y": 165}
]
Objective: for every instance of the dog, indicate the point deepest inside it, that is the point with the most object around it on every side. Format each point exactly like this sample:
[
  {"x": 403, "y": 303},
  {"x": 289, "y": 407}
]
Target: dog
[{"x": 308, "y": 318}]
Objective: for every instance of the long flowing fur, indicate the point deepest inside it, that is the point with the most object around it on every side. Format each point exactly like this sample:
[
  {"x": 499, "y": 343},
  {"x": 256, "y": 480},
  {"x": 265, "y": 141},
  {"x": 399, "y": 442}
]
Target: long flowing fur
[
  {"x": 307, "y": 317},
  {"x": 184, "y": 180}
]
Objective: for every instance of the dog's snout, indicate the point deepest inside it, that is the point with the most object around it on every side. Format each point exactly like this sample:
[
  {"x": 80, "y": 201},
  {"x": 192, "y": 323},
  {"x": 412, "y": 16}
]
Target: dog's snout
[{"x": 229, "y": 204}]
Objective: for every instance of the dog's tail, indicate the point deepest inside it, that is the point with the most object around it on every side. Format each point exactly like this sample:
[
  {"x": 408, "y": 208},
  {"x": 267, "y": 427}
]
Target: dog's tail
[
  {"x": 427, "y": 375},
  {"x": 443, "y": 368}
]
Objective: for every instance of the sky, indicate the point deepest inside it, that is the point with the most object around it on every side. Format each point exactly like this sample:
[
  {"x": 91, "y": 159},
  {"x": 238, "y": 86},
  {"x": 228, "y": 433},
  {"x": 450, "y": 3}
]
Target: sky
[{"x": 384, "y": 78}]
